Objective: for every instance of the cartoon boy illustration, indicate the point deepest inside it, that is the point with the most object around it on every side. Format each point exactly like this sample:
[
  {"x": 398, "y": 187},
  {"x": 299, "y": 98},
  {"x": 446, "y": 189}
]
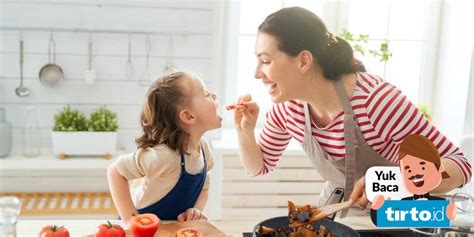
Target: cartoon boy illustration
[{"x": 422, "y": 171}]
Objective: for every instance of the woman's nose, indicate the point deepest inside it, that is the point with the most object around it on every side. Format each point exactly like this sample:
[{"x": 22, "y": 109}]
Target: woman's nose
[{"x": 258, "y": 74}]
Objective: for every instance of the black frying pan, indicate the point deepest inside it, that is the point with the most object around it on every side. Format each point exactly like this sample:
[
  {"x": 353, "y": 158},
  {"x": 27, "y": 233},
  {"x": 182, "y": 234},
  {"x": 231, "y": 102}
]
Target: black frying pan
[{"x": 336, "y": 228}]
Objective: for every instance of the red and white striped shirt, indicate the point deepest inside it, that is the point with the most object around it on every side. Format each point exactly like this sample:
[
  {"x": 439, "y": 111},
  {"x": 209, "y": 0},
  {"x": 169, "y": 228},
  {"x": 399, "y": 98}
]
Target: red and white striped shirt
[{"x": 384, "y": 115}]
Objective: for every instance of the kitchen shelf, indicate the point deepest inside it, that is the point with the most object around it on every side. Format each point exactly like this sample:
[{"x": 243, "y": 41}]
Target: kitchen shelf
[
  {"x": 59, "y": 203},
  {"x": 108, "y": 31},
  {"x": 49, "y": 164}
]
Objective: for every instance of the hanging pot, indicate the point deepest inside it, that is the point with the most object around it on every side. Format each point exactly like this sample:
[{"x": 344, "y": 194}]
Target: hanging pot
[{"x": 51, "y": 74}]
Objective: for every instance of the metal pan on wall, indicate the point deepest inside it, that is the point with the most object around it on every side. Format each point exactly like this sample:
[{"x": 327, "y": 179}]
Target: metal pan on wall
[{"x": 51, "y": 74}]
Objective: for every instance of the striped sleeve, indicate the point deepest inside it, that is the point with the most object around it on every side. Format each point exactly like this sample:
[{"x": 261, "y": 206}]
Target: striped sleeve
[
  {"x": 274, "y": 138},
  {"x": 394, "y": 117}
]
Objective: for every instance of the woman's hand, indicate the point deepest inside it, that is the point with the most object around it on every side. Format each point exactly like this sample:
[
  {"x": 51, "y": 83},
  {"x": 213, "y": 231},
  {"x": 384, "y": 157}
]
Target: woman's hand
[
  {"x": 451, "y": 210},
  {"x": 378, "y": 202},
  {"x": 191, "y": 214},
  {"x": 245, "y": 118},
  {"x": 358, "y": 195}
]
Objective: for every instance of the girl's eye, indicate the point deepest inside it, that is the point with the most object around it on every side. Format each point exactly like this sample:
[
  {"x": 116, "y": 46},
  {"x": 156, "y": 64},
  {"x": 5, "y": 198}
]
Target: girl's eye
[
  {"x": 265, "y": 62},
  {"x": 212, "y": 95}
]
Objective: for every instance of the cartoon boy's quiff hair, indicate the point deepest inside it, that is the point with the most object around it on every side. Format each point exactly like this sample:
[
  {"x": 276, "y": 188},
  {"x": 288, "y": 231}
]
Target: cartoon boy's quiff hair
[{"x": 421, "y": 147}]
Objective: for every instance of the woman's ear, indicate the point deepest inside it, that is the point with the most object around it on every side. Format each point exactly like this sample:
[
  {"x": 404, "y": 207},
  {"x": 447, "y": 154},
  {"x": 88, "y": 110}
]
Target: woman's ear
[
  {"x": 187, "y": 117},
  {"x": 305, "y": 59}
]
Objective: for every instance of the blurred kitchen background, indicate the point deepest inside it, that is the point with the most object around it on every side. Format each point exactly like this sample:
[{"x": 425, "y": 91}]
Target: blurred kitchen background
[{"x": 130, "y": 43}]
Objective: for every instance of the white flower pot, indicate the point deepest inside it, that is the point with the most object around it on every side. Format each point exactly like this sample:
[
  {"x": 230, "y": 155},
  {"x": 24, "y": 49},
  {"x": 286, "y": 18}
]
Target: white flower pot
[{"x": 84, "y": 143}]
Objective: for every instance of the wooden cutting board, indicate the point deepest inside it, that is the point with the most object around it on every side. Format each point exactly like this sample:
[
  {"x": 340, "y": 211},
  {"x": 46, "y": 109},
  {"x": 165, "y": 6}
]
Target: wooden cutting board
[{"x": 170, "y": 229}]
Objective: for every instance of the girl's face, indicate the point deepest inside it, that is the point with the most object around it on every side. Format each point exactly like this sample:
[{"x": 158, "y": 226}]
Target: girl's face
[
  {"x": 203, "y": 105},
  {"x": 277, "y": 70}
]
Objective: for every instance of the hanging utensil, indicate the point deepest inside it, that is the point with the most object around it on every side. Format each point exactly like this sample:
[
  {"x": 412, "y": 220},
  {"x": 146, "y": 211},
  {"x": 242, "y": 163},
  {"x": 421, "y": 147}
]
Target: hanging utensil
[
  {"x": 51, "y": 74},
  {"x": 21, "y": 91},
  {"x": 146, "y": 78},
  {"x": 89, "y": 74},
  {"x": 129, "y": 70},
  {"x": 169, "y": 57}
]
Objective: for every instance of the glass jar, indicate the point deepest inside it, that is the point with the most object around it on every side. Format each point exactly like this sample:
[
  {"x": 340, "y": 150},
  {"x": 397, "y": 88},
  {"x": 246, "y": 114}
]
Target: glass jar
[
  {"x": 31, "y": 134},
  {"x": 10, "y": 208},
  {"x": 5, "y": 134}
]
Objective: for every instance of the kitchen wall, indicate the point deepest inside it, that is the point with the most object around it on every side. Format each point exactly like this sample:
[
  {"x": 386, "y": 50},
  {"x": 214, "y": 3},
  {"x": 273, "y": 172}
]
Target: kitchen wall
[{"x": 193, "y": 26}]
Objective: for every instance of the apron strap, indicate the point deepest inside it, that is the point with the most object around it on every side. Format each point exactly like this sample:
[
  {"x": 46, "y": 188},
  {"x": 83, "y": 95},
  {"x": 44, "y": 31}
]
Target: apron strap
[
  {"x": 349, "y": 139},
  {"x": 309, "y": 130},
  {"x": 203, "y": 155},
  {"x": 182, "y": 158}
]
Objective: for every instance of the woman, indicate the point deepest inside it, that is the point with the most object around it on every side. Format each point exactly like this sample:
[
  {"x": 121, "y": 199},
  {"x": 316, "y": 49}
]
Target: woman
[{"x": 345, "y": 119}]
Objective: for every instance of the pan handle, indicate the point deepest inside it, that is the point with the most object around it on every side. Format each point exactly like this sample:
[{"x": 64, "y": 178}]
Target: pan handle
[
  {"x": 51, "y": 42},
  {"x": 336, "y": 196}
]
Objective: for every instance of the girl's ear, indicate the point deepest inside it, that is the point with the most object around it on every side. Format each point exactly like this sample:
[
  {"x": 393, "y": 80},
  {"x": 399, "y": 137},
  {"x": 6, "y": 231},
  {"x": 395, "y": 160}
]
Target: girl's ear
[{"x": 187, "y": 117}]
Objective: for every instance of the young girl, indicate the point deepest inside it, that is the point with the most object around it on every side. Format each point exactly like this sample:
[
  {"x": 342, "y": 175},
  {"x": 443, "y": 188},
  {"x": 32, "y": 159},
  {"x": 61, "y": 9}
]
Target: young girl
[{"x": 170, "y": 168}]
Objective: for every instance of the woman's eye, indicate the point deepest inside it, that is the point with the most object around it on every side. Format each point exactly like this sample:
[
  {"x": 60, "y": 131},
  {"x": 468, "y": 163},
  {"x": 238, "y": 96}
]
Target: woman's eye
[{"x": 265, "y": 62}]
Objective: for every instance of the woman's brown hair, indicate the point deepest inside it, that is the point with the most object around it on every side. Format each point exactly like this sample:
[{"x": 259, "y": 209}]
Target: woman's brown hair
[
  {"x": 421, "y": 147},
  {"x": 298, "y": 29},
  {"x": 159, "y": 116}
]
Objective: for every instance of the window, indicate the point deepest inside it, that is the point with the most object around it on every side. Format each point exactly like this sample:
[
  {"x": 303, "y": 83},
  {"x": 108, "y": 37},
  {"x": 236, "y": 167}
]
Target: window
[{"x": 404, "y": 26}]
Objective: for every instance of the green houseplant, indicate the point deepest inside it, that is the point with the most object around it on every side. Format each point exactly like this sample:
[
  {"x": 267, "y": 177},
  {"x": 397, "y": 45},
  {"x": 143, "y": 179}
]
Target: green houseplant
[
  {"x": 103, "y": 120},
  {"x": 360, "y": 44},
  {"x": 70, "y": 120},
  {"x": 74, "y": 134}
]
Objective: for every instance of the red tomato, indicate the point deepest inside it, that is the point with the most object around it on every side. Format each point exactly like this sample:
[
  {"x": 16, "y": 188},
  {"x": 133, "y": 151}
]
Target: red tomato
[
  {"x": 231, "y": 107},
  {"x": 235, "y": 106},
  {"x": 109, "y": 230},
  {"x": 144, "y": 225},
  {"x": 53, "y": 231},
  {"x": 188, "y": 232}
]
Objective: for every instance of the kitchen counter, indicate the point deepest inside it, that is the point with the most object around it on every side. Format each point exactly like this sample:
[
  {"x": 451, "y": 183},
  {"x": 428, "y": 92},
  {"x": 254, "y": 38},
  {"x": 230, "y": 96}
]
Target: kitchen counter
[
  {"x": 233, "y": 228},
  {"x": 229, "y": 227}
]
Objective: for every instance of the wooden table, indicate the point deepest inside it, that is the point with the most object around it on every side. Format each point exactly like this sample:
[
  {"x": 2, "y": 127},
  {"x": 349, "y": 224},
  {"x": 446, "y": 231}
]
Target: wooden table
[{"x": 233, "y": 228}]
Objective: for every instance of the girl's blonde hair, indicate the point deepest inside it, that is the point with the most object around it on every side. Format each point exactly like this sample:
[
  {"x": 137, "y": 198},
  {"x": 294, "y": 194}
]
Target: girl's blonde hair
[{"x": 159, "y": 116}]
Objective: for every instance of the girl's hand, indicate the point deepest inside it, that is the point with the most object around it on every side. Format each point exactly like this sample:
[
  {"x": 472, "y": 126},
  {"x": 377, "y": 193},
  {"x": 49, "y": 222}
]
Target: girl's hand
[
  {"x": 191, "y": 214},
  {"x": 245, "y": 117}
]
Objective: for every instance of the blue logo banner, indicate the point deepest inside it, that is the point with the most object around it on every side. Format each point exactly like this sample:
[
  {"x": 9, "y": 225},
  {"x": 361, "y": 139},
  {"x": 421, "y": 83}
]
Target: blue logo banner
[{"x": 420, "y": 213}]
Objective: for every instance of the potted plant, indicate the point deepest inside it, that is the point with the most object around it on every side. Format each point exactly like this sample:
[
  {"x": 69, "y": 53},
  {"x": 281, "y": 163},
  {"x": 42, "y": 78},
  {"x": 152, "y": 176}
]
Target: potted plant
[{"x": 74, "y": 134}]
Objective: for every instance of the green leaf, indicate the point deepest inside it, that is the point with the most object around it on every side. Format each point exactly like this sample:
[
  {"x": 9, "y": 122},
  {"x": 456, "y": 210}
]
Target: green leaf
[
  {"x": 103, "y": 120},
  {"x": 70, "y": 120}
]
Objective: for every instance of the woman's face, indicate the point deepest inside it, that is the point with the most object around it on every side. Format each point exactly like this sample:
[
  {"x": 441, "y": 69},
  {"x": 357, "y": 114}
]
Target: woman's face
[{"x": 277, "y": 70}]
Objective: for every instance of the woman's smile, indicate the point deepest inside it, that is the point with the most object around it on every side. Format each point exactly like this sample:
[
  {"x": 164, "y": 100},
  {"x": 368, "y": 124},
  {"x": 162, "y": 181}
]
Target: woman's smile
[{"x": 271, "y": 86}]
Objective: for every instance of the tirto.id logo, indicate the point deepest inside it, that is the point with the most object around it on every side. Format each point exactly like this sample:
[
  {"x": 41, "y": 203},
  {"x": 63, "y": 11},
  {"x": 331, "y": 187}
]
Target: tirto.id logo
[{"x": 413, "y": 214}]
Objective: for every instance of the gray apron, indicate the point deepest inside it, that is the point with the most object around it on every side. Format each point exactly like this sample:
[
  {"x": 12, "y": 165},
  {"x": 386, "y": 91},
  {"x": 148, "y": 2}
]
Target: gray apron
[{"x": 359, "y": 157}]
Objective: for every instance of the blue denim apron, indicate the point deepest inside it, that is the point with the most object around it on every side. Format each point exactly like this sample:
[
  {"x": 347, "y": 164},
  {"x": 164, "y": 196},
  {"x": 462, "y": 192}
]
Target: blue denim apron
[{"x": 183, "y": 196}]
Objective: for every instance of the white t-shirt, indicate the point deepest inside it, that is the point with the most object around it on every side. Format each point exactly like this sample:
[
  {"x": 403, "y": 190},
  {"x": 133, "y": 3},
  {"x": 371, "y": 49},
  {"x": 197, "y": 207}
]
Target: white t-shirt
[{"x": 155, "y": 171}]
